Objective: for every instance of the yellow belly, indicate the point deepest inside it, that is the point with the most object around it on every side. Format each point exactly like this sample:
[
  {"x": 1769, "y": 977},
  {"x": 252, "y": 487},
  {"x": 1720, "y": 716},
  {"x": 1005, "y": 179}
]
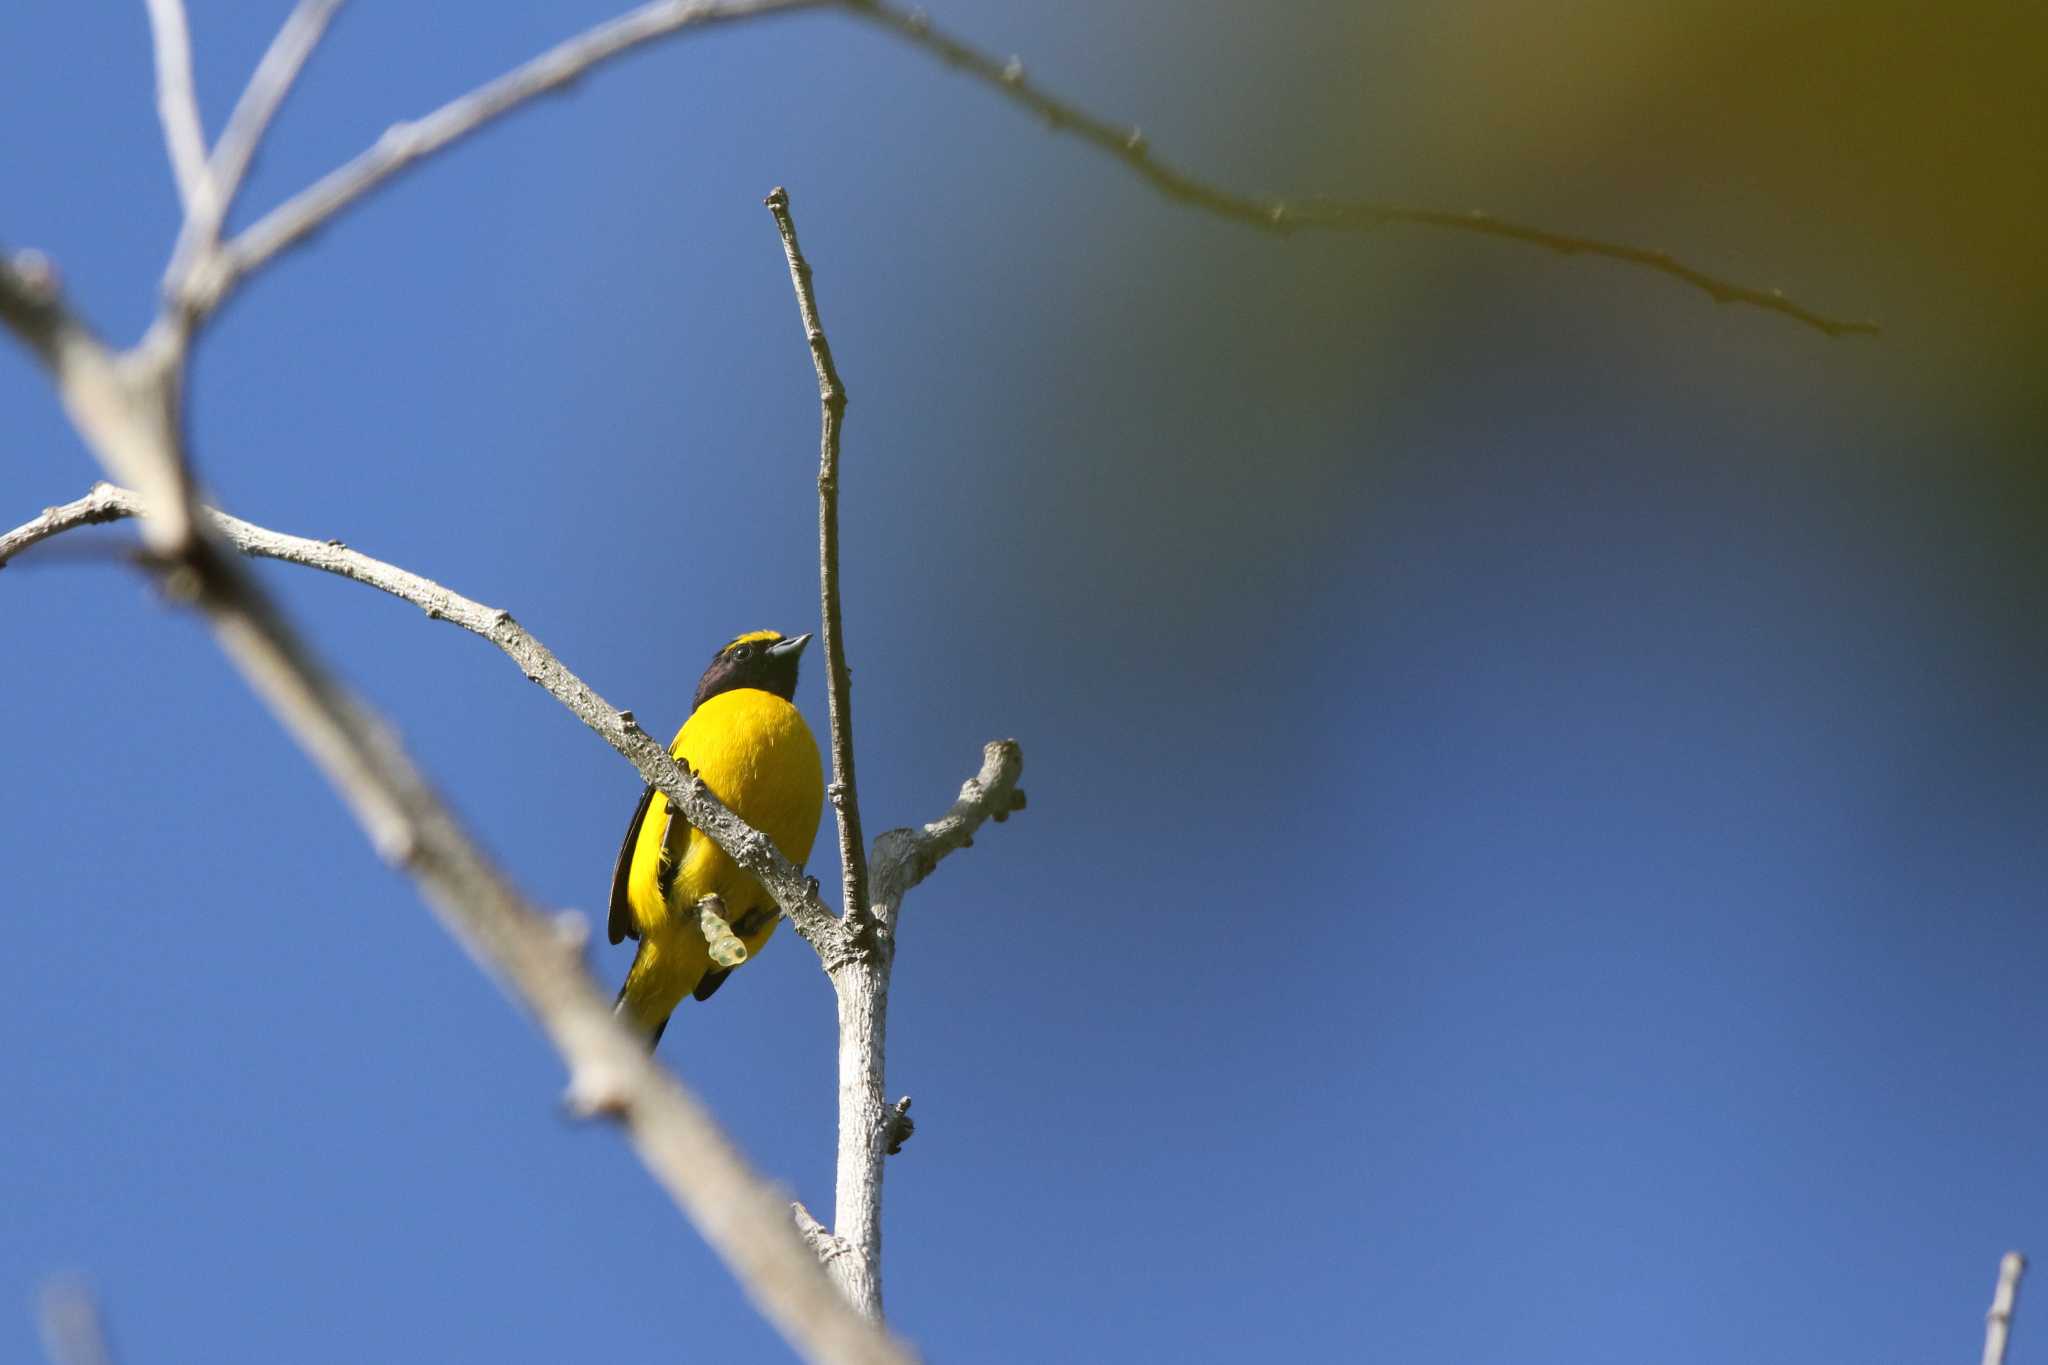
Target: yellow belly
[{"x": 753, "y": 749}]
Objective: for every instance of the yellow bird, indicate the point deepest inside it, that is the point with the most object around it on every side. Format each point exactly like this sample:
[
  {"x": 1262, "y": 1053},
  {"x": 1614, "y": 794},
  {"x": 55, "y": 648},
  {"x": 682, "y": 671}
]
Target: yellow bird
[{"x": 749, "y": 743}]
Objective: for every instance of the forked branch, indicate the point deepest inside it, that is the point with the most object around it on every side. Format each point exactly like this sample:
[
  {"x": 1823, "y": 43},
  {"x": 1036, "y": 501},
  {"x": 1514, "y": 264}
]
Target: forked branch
[{"x": 402, "y": 144}]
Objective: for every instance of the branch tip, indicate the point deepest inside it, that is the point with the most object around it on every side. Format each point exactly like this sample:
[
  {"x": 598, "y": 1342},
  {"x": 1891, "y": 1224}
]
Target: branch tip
[
  {"x": 35, "y": 275},
  {"x": 1998, "y": 1322}
]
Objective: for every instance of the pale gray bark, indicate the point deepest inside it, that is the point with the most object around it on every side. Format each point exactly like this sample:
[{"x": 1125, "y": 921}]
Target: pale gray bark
[
  {"x": 2004, "y": 1301},
  {"x": 177, "y": 107}
]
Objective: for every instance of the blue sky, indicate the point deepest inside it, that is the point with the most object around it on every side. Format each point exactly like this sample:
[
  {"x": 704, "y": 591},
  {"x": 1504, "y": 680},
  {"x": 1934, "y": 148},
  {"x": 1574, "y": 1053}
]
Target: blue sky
[{"x": 1536, "y": 834}]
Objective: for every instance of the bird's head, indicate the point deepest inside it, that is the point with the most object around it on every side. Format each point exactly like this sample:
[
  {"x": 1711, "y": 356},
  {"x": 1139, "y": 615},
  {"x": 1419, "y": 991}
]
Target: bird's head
[{"x": 761, "y": 659}]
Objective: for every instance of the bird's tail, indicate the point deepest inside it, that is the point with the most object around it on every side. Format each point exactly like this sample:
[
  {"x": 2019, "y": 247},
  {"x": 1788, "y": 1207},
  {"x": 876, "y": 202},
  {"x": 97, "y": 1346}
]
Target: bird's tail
[{"x": 639, "y": 1006}]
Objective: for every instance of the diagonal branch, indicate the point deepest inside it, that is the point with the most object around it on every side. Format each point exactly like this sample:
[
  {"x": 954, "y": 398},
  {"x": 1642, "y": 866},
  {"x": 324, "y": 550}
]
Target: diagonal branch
[
  {"x": 902, "y": 857},
  {"x": 793, "y": 892},
  {"x": 845, "y": 793},
  {"x": 905, "y": 857},
  {"x": 404, "y": 143},
  {"x": 229, "y": 166},
  {"x": 177, "y": 106},
  {"x": 1129, "y": 145},
  {"x": 1998, "y": 1322}
]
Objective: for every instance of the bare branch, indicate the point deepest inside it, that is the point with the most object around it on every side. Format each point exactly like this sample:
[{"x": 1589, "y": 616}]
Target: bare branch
[
  {"x": 404, "y": 143},
  {"x": 819, "y": 1237},
  {"x": 259, "y": 102},
  {"x": 73, "y": 1332},
  {"x": 870, "y": 1130},
  {"x": 905, "y": 857},
  {"x": 203, "y": 286},
  {"x": 177, "y": 106},
  {"x": 103, "y": 504},
  {"x": 1998, "y": 1322},
  {"x": 32, "y": 304},
  {"x": 1130, "y": 146},
  {"x": 844, "y": 791},
  {"x": 793, "y": 892}
]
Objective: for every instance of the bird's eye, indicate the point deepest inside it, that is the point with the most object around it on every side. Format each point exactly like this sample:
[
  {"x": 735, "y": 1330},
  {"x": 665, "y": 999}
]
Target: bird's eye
[{"x": 742, "y": 654}]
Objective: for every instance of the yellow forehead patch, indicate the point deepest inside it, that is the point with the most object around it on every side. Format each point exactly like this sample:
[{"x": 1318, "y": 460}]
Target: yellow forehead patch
[{"x": 753, "y": 637}]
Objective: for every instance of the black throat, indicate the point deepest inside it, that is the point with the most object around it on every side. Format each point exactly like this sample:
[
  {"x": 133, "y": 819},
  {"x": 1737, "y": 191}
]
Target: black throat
[{"x": 761, "y": 670}]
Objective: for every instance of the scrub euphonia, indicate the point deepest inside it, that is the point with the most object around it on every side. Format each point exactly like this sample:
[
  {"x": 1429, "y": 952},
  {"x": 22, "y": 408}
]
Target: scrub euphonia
[{"x": 749, "y": 744}]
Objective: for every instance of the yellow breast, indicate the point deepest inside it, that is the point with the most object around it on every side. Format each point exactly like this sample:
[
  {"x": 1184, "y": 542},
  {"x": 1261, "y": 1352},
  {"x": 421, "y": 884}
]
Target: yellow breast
[{"x": 754, "y": 751}]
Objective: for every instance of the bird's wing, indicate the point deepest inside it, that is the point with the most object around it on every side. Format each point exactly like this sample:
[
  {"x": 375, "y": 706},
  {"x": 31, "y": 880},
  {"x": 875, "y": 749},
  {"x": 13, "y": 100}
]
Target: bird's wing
[
  {"x": 711, "y": 982},
  {"x": 621, "y": 924}
]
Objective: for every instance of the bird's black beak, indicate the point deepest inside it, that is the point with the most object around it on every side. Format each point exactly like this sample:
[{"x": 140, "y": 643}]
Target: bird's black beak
[{"x": 784, "y": 649}]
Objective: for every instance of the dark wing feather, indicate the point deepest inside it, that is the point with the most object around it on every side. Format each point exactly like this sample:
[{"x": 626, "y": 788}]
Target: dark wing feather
[
  {"x": 675, "y": 844},
  {"x": 621, "y": 925},
  {"x": 711, "y": 982}
]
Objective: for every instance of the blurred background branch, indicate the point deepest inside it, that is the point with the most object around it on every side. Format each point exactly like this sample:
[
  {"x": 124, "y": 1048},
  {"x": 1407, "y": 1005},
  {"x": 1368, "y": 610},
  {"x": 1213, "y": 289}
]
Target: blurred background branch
[
  {"x": 74, "y": 1331},
  {"x": 2004, "y": 1302}
]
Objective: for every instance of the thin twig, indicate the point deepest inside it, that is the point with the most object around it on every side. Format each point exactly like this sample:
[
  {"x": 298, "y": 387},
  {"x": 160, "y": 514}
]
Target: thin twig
[
  {"x": 905, "y": 857},
  {"x": 177, "y": 106},
  {"x": 1130, "y": 146},
  {"x": 204, "y": 287},
  {"x": 74, "y": 1333},
  {"x": 2004, "y": 1300},
  {"x": 404, "y": 143},
  {"x": 823, "y": 1244},
  {"x": 246, "y": 126},
  {"x": 844, "y": 791}
]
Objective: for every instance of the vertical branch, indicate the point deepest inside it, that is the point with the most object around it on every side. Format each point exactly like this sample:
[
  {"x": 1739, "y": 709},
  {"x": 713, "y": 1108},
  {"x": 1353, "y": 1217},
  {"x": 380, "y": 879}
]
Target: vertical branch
[
  {"x": 1998, "y": 1322},
  {"x": 176, "y": 105},
  {"x": 853, "y": 856},
  {"x": 861, "y": 981}
]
